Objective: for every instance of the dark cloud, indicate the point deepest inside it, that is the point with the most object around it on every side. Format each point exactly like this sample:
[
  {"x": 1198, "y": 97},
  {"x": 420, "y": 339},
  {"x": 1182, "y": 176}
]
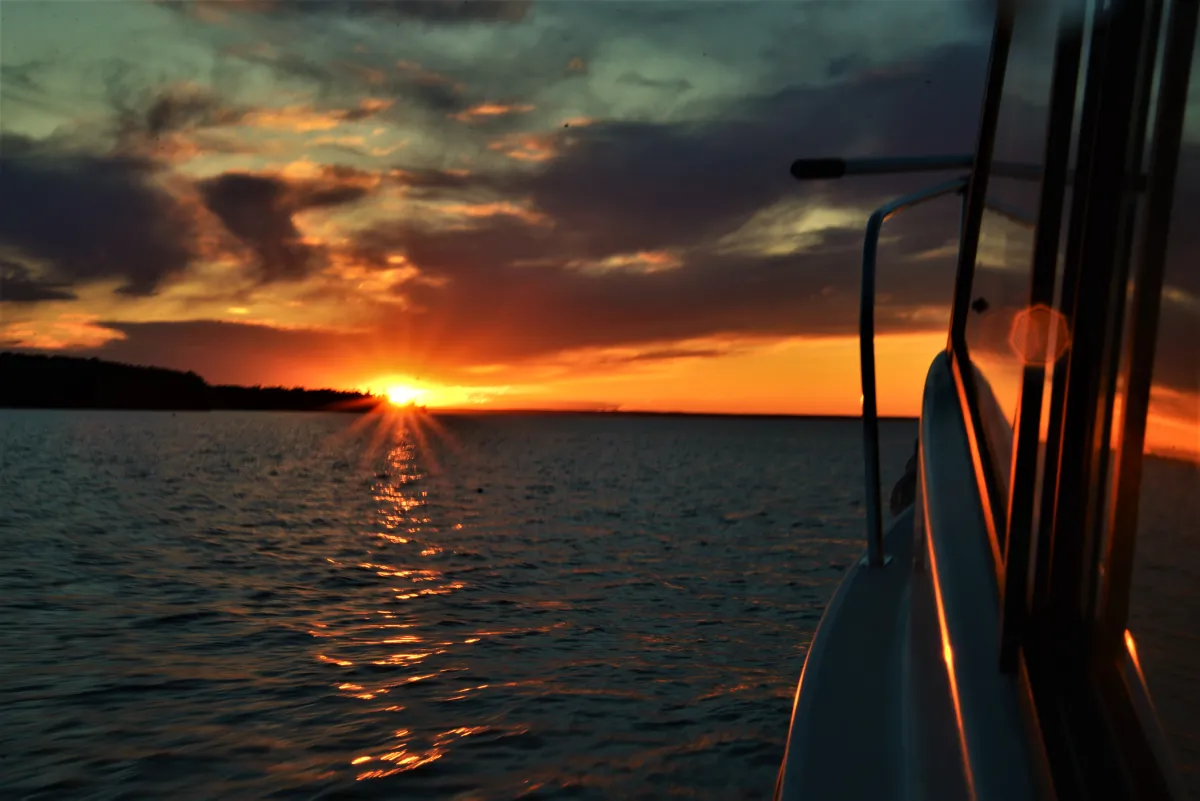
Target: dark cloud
[
  {"x": 431, "y": 11},
  {"x": 160, "y": 122},
  {"x": 148, "y": 115},
  {"x": 259, "y": 211},
  {"x": 334, "y": 79},
  {"x": 183, "y": 107},
  {"x": 22, "y": 77},
  {"x": 489, "y": 315},
  {"x": 516, "y": 290},
  {"x": 435, "y": 12},
  {"x": 448, "y": 184},
  {"x": 437, "y": 96},
  {"x": 511, "y": 294},
  {"x": 512, "y": 291},
  {"x": 18, "y": 285},
  {"x": 637, "y": 186},
  {"x": 90, "y": 216}
]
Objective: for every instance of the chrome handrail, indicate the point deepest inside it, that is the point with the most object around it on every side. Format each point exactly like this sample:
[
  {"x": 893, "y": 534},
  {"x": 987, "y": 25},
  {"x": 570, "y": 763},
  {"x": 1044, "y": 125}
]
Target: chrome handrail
[
  {"x": 866, "y": 344},
  {"x": 823, "y": 169}
]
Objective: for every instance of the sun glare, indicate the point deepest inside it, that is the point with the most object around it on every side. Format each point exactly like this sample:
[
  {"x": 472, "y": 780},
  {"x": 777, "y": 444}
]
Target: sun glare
[{"x": 402, "y": 395}]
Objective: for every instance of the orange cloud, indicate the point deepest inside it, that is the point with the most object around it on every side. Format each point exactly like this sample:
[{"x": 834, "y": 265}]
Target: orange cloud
[
  {"x": 526, "y": 147},
  {"x": 368, "y": 279},
  {"x": 305, "y": 118},
  {"x": 348, "y": 141},
  {"x": 501, "y": 208},
  {"x": 374, "y": 105},
  {"x": 294, "y": 118},
  {"x": 647, "y": 261},
  {"x": 324, "y": 177},
  {"x": 489, "y": 110},
  {"x": 62, "y": 332}
]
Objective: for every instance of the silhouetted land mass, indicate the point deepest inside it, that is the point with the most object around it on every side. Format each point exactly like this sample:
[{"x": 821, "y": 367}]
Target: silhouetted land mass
[{"x": 64, "y": 382}]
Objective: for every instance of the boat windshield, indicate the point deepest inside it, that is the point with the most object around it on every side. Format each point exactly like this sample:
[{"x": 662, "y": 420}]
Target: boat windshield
[
  {"x": 1085, "y": 398},
  {"x": 1163, "y": 604}
]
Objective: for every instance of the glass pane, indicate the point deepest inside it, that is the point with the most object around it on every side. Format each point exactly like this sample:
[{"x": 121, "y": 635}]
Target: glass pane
[
  {"x": 998, "y": 326},
  {"x": 999, "y": 293},
  {"x": 1164, "y": 615}
]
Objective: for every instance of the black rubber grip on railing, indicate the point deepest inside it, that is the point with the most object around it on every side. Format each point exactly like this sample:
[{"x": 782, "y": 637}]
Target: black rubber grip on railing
[{"x": 817, "y": 169}]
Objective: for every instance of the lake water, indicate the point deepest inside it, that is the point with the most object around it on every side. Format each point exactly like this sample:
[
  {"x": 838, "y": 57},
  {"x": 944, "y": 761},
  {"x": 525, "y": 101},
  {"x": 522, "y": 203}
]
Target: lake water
[
  {"x": 255, "y": 605},
  {"x": 227, "y": 605}
]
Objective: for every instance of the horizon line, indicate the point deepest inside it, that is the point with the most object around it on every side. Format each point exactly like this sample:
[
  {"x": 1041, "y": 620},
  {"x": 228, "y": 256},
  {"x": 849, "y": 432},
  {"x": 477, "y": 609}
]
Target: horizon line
[{"x": 467, "y": 410}]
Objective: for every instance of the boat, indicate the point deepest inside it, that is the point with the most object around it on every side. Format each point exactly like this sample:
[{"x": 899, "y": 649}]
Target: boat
[{"x": 981, "y": 648}]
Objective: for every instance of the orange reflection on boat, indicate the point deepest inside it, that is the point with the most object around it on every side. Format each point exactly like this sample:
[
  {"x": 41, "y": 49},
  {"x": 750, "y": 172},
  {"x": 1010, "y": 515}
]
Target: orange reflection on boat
[
  {"x": 1133, "y": 654},
  {"x": 948, "y": 653}
]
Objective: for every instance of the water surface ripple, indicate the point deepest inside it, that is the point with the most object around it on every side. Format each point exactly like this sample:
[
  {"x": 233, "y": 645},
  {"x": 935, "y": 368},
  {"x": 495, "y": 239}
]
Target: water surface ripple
[{"x": 254, "y": 605}]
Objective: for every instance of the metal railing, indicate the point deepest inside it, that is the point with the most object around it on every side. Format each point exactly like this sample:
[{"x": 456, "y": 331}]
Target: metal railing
[
  {"x": 818, "y": 169},
  {"x": 866, "y": 345}
]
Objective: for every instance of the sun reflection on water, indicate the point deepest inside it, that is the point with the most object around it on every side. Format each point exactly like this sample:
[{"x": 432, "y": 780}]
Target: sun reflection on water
[
  {"x": 405, "y": 758},
  {"x": 375, "y": 658},
  {"x": 274, "y": 656}
]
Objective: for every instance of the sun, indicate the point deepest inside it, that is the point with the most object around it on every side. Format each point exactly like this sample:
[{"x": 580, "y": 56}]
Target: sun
[{"x": 402, "y": 394}]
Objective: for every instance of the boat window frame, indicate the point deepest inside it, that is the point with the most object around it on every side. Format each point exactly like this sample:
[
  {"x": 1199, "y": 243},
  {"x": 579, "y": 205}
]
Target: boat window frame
[
  {"x": 1145, "y": 306},
  {"x": 974, "y": 205},
  {"x": 1066, "y": 633},
  {"x": 1095, "y": 277},
  {"x": 1023, "y": 484},
  {"x": 1131, "y": 365}
]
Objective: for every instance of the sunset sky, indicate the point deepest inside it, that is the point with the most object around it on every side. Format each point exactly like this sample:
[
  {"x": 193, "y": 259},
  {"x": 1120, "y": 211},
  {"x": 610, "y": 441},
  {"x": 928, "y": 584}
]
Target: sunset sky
[{"x": 530, "y": 204}]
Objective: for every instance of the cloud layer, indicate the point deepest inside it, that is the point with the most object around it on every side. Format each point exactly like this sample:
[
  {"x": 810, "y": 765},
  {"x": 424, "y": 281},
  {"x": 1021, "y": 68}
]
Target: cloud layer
[{"x": 480, "y": 184}]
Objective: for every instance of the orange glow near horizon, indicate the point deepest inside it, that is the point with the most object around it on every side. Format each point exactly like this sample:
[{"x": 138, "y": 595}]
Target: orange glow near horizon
[
  {"x": 795, "y": 376},
  {"x": 402, "y": 394},
  {"x": 1172, "y": 424},
  {"x": 792, "y": 376}
]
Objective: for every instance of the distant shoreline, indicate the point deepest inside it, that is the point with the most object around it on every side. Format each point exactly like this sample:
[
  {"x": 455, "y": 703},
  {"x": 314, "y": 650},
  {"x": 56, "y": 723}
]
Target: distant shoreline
[
  {"x": 461, "y": 412},
  {"x": 38, "y": 381},
  {"x": 188, "y": 409}
]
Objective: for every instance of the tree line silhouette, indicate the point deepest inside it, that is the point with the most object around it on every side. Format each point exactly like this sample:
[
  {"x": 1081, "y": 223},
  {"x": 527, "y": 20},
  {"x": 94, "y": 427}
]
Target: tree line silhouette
[{"x": 65, "y": 382}]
